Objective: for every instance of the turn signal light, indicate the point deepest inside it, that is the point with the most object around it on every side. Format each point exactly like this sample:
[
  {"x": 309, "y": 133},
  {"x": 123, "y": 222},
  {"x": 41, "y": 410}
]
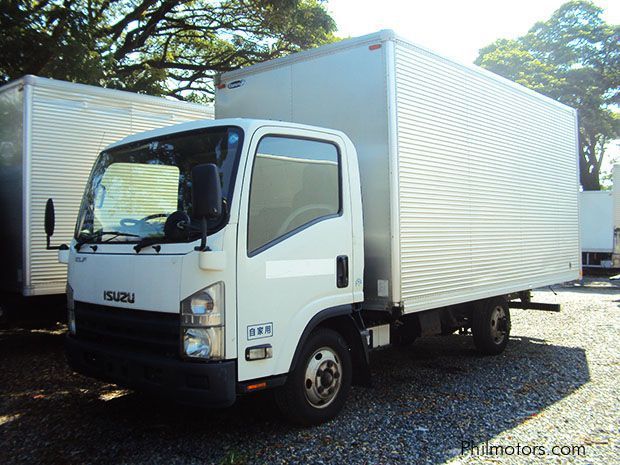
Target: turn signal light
[{"x": 254, "y": 387}]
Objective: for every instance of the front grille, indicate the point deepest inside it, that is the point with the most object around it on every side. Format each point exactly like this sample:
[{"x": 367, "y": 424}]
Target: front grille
[{"x": 136, "y": 330}]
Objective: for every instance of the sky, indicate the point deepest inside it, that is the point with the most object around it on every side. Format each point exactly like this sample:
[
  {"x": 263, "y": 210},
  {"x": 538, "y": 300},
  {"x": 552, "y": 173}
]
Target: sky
[
  {"x": 453, "y": 28},
  {"x": 457, "y": 29}
]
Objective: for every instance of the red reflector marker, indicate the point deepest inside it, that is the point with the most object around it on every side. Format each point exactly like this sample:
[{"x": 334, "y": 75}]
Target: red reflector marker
[
  {"x": 221, "y": 86},
  {"x": 374, "y": 47}
]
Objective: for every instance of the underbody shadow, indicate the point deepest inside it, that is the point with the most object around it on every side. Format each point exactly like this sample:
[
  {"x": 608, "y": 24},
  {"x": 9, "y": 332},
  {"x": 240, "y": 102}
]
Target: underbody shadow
[{"x": 438, "y": 385}]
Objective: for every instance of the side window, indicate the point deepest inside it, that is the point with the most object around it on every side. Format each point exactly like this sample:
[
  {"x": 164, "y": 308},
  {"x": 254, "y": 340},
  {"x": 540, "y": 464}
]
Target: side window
[{"x": 294, "y": 182}]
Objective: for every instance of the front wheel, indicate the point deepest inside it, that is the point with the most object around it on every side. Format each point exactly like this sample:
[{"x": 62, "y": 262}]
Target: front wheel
[
  {"x": 491, "y": 325},
  {"x": 316, "y": 389}
]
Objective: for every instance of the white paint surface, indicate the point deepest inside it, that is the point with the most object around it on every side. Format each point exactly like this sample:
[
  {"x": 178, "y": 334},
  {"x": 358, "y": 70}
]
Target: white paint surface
[{"x": 298, "y": 268}]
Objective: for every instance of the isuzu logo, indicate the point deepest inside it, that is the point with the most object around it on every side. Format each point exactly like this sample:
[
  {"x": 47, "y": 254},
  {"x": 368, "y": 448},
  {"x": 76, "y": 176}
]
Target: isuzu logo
[{"x": 119, "y": 296}]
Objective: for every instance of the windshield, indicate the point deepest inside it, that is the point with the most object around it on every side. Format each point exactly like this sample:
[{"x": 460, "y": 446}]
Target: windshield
[{"x": 134, "y": 188}]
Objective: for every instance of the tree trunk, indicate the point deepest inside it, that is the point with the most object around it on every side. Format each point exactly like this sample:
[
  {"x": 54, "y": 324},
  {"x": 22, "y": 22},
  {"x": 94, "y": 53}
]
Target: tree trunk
[
  {"x": 589, "y": 163},
  {"x": 588, "y": 174},
  {"x": 590, "y": 182}
]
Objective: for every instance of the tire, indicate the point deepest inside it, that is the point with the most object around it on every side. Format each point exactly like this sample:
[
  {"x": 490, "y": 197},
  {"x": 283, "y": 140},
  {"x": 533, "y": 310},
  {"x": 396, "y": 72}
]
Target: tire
[
  {"x": 491, "y": 325},
  {"x": 7, "y": 312},
  {"x": 4, "y": 317},
  {"x": 325, "y": 361}
]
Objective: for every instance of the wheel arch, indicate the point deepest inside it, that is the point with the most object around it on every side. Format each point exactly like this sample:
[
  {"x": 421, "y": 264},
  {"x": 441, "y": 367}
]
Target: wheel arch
[{"x": 342, "y": 320}]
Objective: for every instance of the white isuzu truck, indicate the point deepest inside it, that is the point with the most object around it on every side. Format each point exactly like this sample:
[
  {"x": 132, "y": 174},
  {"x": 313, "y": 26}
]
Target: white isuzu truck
[{"x": 360, "y": 194}]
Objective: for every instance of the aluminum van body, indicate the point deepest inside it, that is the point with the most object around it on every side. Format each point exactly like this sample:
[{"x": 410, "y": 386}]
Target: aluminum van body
[{"x": 52, "y": 132}]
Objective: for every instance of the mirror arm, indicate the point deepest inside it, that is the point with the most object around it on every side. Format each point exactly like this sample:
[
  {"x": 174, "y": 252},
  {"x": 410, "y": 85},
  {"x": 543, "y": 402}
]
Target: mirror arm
[
  {"x": 203, "y": 239},
  {"x": 55, "y": 247}
]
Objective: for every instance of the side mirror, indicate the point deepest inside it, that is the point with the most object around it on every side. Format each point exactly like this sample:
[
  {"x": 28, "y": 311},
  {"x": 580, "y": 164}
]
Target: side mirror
[
  {"x": 50, "y": 223},
  {"x": 50, "y": 220},
  {"x": 206, "y": 192},
  {"x": 206, "y": 197}
]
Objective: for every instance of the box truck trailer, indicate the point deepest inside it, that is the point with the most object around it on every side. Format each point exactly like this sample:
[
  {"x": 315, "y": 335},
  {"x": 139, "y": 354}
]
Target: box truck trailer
[
  {"x": 599, "y": 224},
  {"x": 50, "y": 134},
  {"x": 615, "y": 257},
  {"x": 360, "y": 194}
]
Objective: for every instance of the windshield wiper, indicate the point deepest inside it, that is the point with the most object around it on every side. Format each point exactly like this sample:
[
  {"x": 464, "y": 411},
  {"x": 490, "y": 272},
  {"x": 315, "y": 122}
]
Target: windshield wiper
[
  {"x": 183, "y": 225},
  {"x": 146, "y": 241},
  {"x": 98, "y": 235}
]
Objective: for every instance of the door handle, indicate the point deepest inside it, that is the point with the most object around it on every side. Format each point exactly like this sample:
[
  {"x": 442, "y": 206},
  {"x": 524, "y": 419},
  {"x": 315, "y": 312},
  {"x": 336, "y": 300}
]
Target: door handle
[{"x": 342, "y": 271}]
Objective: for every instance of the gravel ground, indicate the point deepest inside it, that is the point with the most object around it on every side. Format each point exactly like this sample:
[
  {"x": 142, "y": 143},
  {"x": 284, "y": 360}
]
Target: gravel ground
[{"x": 556, "y": 385}]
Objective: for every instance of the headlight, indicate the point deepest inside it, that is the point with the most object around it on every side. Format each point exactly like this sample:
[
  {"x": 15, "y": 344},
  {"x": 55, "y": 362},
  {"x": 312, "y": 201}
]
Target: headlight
[
  {"x": 204, "y": 342},
  {"x": 204, "y": 308},
  {"x": 202, "y": 323},
  {"x": 70, "y": 310}
]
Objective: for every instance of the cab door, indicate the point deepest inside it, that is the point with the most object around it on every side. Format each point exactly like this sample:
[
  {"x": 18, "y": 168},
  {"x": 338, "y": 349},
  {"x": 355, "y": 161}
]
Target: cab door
[{"x": 294, "y": 243}]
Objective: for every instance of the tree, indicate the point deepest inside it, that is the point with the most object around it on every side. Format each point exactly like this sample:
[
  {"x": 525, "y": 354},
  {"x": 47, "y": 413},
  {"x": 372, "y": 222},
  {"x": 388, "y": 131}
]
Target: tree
[
  {"x": 163, "y": 47},
  {"x": 574, "y": 58}
]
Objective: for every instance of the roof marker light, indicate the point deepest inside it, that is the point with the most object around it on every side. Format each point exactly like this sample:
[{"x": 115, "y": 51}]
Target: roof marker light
[{"x": 374, "y": 47}]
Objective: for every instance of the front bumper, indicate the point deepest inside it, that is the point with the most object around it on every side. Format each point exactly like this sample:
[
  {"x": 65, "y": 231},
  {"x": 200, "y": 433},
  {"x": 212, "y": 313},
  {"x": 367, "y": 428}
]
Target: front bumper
[{"x": 205, "y": 384}]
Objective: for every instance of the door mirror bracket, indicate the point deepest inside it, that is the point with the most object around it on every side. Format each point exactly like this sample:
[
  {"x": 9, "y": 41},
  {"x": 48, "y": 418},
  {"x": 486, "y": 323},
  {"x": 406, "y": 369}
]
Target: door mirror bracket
[{"x": 206, "y": 198}]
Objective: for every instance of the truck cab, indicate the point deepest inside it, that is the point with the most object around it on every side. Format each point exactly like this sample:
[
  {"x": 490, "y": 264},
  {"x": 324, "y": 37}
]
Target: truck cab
[{"x": 158, "y": 301}]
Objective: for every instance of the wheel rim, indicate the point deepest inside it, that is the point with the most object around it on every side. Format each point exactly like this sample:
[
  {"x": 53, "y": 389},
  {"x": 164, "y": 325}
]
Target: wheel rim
[
  {"x": 323, "y": 377},
  {"x": 498, "y": 324}
]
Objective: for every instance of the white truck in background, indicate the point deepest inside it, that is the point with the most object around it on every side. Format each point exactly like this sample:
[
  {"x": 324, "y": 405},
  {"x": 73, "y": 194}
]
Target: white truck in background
[
  {"x": 615, "y": 257},
  {"x": 599, "y": 223},
  {"x": 50, "y": 134},
  {"x": 287, "y": 238}
]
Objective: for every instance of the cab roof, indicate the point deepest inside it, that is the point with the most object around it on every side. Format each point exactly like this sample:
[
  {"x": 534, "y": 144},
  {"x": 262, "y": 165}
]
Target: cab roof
[{"x": 247, "y": 124}]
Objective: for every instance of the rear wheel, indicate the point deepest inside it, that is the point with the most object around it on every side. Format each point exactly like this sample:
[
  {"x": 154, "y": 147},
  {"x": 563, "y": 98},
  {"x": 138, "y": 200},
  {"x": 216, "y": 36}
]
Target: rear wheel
[
  {"x": 7, "y": 309},
  {"x": 4, "y": 316},
  {"x": 491, "y": 325},
  {"x": 316, "y": 389}
]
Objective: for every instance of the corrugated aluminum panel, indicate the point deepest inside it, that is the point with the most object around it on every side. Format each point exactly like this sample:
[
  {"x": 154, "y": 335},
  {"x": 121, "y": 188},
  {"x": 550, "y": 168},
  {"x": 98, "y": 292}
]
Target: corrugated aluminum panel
[
  {"x": 485, "y": 170},
  {"x": 132, "y": 190},
  {"x": 487, "y": 181},
  {"x": 70, "y": 125}
]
